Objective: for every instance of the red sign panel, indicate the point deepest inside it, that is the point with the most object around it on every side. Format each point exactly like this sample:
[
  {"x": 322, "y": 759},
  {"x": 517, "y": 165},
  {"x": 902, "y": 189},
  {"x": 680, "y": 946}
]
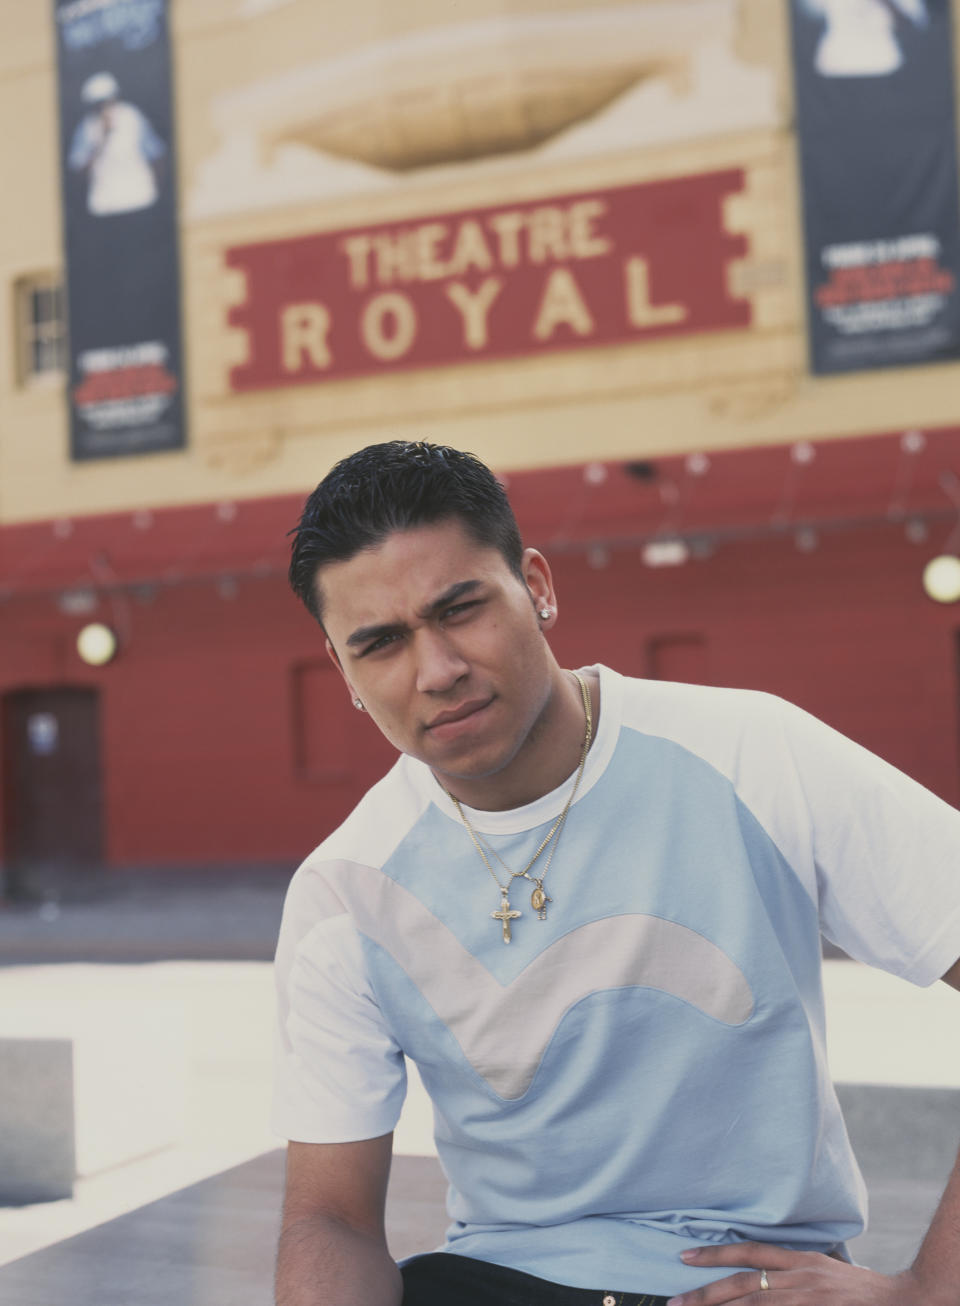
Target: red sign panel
[{"x": 604, "y": 267}]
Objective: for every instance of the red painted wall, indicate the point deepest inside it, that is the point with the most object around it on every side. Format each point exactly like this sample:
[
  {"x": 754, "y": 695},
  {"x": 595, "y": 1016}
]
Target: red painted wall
[
  {"x": 228, "y": 739},
  {"x": 846, "y": 632},
  {"x": 199, "y": 735}
]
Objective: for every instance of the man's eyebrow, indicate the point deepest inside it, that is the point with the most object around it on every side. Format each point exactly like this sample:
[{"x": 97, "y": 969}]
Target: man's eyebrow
[
  {"x": 449, "y": 596},
  {"x": 369, "y": 634}
]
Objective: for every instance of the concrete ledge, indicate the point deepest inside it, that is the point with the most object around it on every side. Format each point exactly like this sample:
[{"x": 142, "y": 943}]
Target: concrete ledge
[{"x": 209, "y": 1244}]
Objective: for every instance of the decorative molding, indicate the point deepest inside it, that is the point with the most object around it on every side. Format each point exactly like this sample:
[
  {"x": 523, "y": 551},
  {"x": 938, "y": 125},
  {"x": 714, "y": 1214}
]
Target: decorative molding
[
  {"x": 241, "y": 452},
  {"x": 752, "y": 400}
]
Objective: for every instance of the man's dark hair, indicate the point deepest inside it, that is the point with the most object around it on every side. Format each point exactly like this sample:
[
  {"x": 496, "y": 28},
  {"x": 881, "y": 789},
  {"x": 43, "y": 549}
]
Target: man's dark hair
[{"x": 393, "y": 487}]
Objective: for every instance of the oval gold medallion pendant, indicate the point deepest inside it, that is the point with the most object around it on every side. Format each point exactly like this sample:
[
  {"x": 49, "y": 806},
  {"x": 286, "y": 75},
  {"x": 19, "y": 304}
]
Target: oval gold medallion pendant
[{"x": 539, "y": 899}]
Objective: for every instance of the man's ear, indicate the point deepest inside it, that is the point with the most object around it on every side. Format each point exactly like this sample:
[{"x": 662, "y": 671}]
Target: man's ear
[
  {"x": 332, "y": 655},
  {"x": 539, "y": 581}
]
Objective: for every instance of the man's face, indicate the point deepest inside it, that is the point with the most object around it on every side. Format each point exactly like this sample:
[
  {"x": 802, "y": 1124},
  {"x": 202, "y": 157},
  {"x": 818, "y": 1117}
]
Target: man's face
[{"x": 443, "y": 645}]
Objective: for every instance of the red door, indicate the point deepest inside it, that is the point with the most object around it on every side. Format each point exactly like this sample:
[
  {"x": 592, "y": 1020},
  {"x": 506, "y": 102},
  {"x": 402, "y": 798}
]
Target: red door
[{"x": 52, "y": 802}]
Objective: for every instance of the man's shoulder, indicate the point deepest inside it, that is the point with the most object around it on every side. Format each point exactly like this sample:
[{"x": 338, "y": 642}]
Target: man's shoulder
[
  {"x": 380, "y": 821},
  {"x": 742, "y": 734},
  {"x": 667, "y": 706},
  {"x": 370, "y": 835}
]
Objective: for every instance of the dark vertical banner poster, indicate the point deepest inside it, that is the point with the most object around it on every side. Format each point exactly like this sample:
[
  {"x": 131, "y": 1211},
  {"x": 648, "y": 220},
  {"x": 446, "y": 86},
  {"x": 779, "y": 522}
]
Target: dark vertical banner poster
[
  {"x": 120, "y": 227},
  {"x": 878, "y": 155}
]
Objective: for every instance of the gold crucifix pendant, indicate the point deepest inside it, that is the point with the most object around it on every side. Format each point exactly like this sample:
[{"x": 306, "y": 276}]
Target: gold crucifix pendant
[
  {"x": 505, "y": 915},
  {"x": 539, "y": 900}
]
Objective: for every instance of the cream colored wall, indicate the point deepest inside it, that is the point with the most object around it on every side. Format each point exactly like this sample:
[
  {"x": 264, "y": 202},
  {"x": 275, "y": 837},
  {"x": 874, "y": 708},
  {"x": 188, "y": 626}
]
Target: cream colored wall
[
  {"x": 32, "y": 423},
  {"x": 699, "y": 392}
]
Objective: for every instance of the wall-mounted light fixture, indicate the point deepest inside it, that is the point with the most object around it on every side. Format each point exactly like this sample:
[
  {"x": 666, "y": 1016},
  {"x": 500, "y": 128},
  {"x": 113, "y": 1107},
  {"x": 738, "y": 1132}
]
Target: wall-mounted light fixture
[
  {"x": 97, "y": 644},
  {"x": 941, "y": 578}
]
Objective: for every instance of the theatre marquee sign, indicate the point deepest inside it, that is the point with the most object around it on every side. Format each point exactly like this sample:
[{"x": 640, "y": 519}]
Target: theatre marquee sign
[{"x": 604, "y": 267}]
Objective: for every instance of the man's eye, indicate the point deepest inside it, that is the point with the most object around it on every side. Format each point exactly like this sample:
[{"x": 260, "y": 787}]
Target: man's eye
[
  {"x": 383, "y": 642},
  {"x": 456, "y": 609}
]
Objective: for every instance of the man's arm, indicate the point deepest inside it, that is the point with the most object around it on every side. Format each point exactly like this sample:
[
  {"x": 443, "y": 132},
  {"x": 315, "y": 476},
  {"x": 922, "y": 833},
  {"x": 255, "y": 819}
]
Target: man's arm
[
  {"x": 333, "y": 1247},
  {"x": 810, "y": 1279}
]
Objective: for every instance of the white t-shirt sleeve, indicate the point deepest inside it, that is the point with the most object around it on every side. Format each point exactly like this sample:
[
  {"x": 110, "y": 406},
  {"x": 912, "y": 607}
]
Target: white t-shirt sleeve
[
  {"x": 886, "y": 851},
  {"x": 339, "y": 1073}
]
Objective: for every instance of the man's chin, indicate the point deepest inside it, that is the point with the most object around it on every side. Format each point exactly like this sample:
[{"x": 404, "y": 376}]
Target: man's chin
[
  {"x": 464, "y": 772},
  {"x": 467, "y": 769}
]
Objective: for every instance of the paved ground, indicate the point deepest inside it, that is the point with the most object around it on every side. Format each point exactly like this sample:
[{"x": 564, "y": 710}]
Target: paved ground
[
  {"x": 148, "y": 916},
  {"x": 195, "y": 1223},
  {"x": 210, "y": 1244}
]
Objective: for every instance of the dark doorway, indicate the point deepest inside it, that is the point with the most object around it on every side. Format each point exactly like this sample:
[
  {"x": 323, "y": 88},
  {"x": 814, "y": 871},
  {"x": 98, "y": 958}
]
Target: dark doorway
[{"x": 52, "y": 802}]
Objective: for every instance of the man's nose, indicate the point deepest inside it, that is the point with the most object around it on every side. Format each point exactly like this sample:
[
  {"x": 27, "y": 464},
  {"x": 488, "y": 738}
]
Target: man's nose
[{"x": 439, "y": 663}]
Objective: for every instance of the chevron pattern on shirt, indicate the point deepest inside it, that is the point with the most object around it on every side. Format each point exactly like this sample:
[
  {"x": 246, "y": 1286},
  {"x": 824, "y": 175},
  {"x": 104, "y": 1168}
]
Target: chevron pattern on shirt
[{"x": 485, "y": 1016}]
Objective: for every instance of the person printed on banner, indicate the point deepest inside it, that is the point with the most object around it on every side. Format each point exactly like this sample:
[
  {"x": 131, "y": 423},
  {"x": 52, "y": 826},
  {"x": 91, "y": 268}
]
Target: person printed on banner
[
  {"x": 860, "y": 39},
  {"x": 117, "y": 147}
]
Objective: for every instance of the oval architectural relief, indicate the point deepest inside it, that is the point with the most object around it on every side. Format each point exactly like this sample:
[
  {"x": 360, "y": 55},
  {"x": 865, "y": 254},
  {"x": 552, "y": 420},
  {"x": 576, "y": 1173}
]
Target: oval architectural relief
[{"x": 451, "y": 94}]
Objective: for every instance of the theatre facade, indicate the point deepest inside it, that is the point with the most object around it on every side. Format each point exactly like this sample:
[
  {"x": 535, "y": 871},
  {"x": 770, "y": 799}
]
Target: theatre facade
[{"x": 587, "y": 242}]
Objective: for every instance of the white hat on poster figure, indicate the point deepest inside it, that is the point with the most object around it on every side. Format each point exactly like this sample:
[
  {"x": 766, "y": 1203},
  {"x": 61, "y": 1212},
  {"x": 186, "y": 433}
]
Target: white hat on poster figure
[
  {"x": 99, "y": 88},
  {"x": 860, "y": 38}
]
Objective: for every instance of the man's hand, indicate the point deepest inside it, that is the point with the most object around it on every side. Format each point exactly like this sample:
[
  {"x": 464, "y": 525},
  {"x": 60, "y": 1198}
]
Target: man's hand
[{"x": 797, "y": 1279}]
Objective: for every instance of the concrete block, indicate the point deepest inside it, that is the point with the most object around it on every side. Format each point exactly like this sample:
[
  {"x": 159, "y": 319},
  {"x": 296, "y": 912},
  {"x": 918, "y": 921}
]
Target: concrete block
[
  {"x": 121, "y": 1095},
  {"x": 902, "y": 1132},
  {"x": 37, "y": 1149},
  {"x": 905, "y": 1138}
]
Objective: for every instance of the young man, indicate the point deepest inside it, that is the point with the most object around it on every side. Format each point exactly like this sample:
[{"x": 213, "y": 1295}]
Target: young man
[{"x": 589, "y": 909}]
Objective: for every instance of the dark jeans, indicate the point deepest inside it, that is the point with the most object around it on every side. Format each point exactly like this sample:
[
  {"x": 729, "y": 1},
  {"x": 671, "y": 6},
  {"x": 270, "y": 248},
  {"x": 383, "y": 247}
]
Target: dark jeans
[{"x": 446, "y": 1279}]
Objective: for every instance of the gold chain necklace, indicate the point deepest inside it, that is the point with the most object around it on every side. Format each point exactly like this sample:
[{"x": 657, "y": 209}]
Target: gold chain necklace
[{"x": 538, "y": 898}]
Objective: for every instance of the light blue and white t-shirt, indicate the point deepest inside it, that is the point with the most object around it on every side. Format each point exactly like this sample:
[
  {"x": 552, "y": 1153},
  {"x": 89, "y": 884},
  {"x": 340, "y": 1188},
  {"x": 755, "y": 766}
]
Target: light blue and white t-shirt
[{"x": 645, "y": 1070}]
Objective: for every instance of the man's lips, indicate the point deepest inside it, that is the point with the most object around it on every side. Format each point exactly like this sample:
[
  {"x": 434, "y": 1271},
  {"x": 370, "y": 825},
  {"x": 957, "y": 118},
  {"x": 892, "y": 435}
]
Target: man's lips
[{"x": 454, "y": 715}]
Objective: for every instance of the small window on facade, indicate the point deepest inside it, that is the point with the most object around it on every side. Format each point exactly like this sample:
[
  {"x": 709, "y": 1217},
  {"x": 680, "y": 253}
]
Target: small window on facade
[{"x": 41, "y": 328}]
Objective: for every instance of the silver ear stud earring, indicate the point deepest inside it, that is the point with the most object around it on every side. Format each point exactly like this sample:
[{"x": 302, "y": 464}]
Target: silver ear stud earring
[
  {"x": 544, "y": 613},
  {"x": 358, "y": 705}
]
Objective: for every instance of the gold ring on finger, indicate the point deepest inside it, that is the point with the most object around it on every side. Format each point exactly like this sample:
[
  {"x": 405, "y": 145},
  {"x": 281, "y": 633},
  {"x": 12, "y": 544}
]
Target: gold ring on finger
[{"x": 764, "y": 1281}]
